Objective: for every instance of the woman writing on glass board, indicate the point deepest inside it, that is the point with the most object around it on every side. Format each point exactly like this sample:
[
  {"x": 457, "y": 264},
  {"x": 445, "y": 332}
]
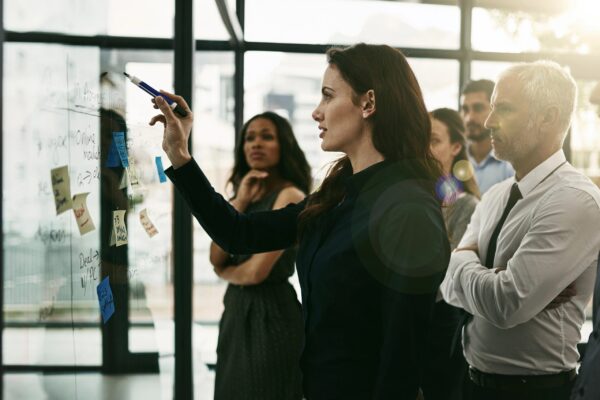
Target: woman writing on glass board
[{"x": 372, "y": 247}]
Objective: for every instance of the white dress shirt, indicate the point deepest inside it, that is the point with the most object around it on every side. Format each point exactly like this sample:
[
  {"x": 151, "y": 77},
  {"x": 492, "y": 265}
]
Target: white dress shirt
[{"x": 550, "y": 238}]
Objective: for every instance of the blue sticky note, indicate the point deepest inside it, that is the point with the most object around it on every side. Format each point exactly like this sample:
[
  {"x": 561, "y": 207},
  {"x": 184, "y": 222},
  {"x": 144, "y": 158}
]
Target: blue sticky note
[
  {"x": 113, "y": 156},
  {"x": 161, "y": 171},
  {"x": 119, "y": 140},
  {"x": 105, "y": 298}
]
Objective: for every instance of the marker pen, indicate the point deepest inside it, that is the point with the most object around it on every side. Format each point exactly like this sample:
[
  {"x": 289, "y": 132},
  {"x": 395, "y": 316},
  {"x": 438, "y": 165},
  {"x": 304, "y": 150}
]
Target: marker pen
[{"x": 153, "y": 92}]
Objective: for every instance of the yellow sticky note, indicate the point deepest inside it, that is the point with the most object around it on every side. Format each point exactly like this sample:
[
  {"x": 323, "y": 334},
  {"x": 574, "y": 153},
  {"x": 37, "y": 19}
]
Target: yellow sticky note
[
  {"x": 82, "y": 215},
  {"x": 61, "y": 187},
  {"x": 147, "y": 224},
  {"x": 119, "y": 228}
]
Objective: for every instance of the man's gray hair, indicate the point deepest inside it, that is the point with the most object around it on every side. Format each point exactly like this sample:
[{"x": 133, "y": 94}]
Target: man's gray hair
[{"x": 546, "y": 83}]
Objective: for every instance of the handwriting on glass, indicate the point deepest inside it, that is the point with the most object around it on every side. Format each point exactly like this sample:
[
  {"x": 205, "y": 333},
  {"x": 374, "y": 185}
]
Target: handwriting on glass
[{"x": 89, "y": 265}]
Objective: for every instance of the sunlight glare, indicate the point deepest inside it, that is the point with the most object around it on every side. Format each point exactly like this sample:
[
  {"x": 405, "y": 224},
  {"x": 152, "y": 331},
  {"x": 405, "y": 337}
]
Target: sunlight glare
[{"x": 587, "y": 12}]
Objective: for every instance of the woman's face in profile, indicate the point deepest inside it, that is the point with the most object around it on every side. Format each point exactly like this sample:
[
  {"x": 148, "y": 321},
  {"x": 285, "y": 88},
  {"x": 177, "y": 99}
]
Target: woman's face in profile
[
  {"x": 261, "y": 144},
  {"x": 340, "y": 120},
  {"x": 441, "y": 146}
]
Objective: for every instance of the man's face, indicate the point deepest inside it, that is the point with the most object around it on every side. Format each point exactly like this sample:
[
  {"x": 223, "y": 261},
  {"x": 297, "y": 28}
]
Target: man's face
[
  {"x": 475, "y": 108},
  {"x": 515, "y": 134}
]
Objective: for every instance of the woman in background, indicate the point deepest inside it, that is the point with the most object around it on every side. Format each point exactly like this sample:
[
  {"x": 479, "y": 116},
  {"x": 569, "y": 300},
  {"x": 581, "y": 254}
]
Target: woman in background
[
  {"x": 446, "y": 368},
  {"x": 261, "y": 330},
  {"x": 458, "y": 187}
]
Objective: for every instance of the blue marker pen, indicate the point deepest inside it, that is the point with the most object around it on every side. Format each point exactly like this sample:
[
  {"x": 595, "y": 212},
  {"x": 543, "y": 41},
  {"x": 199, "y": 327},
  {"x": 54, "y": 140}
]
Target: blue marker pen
[{"x": 153, "y": 92}]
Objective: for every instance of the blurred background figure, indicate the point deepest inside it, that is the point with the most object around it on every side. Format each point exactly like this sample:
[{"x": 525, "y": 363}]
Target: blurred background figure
[
  {"x": 446, "y": 367},
  {"x": 475, "y": 109}
]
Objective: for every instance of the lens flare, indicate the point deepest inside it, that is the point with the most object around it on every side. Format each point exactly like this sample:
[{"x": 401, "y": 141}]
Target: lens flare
[
  {"x": 448, "y": 188},
  {"x": 463, "y": 170}
]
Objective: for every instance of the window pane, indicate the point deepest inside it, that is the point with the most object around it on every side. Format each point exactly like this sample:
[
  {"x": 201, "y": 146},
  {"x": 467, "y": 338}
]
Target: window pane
[
  {"x": 289, "y": 84},
  {"x": 50, "y": 270},
  {"x": 89, "y": 17},
  {"x": 585, "y": 141},
  {"x": 149, "y": 270},
  {"x": 438, "y": 80},
  {"x": 572, "y": 28},
  {"x": 213, "y": 143},
  {"x": 347, "y": 22},
  {"x": 208, "y": 23},
  {"x": 488, "y": 69}
]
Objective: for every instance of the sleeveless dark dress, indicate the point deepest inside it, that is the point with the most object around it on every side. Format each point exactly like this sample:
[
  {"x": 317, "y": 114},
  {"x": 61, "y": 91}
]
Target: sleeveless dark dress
[{"x": 261, "y": 333}]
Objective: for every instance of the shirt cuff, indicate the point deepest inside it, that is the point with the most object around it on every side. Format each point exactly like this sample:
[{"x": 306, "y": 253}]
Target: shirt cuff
[{"x": 183, "y": 172}]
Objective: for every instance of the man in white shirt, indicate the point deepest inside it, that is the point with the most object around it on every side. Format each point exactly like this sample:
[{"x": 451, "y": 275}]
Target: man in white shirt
[{"x": 528, "y": 239}]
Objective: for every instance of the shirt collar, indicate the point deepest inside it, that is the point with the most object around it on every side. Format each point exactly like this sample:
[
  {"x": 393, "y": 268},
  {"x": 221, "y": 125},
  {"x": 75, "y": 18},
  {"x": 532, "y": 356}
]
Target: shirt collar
[
  {"x": 383, "y": 172},
  {"x": 539, "y": 173},
  {"x": 491, "y": 156},
  {"x": 356, "y": 181}
]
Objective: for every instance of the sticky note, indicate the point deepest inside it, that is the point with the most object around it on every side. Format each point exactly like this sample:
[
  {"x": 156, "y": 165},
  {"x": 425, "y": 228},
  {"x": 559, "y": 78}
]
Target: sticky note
[
  {"x": 119, "y": 141},
  {"x": 161, "y": 171},
  {"x": 134, "y": 180},
  {"x": 105, "y": 298},
  {"x": 119, "y": 228},
  {"x": 147, "y": 224},
  {"x": 112, "y": 159},
  {"x": 82, "y": 215},
  {"x": 132, "y": 175},
  {"x": 61, "y": 187}
]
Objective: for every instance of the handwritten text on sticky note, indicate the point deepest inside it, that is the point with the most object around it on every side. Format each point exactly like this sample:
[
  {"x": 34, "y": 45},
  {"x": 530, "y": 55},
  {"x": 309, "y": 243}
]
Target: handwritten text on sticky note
[
  {"x": 105, "y": 298},
  {"x": 82, "y": 215},
  {"x": 119, "y": 228},
  {"x": 147, "y": 224},
  {"x": 61, "y": 186}
]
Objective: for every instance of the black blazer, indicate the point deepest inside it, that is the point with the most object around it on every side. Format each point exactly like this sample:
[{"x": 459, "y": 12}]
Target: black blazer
[
  {"x": 587, "y": 386},
  {"x": 369, "y": 270}
]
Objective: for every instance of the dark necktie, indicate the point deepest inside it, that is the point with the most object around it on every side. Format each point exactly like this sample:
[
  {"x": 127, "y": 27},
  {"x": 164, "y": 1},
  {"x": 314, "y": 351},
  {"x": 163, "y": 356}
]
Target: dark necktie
[{"x": 515, "y": 195}]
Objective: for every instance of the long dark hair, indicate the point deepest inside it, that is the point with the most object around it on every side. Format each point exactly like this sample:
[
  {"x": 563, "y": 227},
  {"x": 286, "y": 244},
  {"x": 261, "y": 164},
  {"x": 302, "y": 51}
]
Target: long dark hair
[
  {"x": 456, "y": 128},
  {"x": 401, "y": 125},
  {"x": 292, "y": 166}
]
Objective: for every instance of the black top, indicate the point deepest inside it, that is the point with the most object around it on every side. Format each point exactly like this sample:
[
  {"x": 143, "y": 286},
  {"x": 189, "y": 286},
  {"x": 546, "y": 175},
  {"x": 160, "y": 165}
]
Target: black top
[{"x": 369, "y": 272}]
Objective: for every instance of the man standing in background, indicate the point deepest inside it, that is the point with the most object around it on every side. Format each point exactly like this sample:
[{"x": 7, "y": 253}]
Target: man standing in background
[{"x": 475, "y": 108}]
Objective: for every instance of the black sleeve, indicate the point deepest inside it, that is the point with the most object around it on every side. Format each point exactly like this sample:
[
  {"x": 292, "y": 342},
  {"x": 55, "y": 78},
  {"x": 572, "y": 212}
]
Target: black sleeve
[
  {"x": 234, "y": 232},
  {"x": 413, "y": 245}
]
